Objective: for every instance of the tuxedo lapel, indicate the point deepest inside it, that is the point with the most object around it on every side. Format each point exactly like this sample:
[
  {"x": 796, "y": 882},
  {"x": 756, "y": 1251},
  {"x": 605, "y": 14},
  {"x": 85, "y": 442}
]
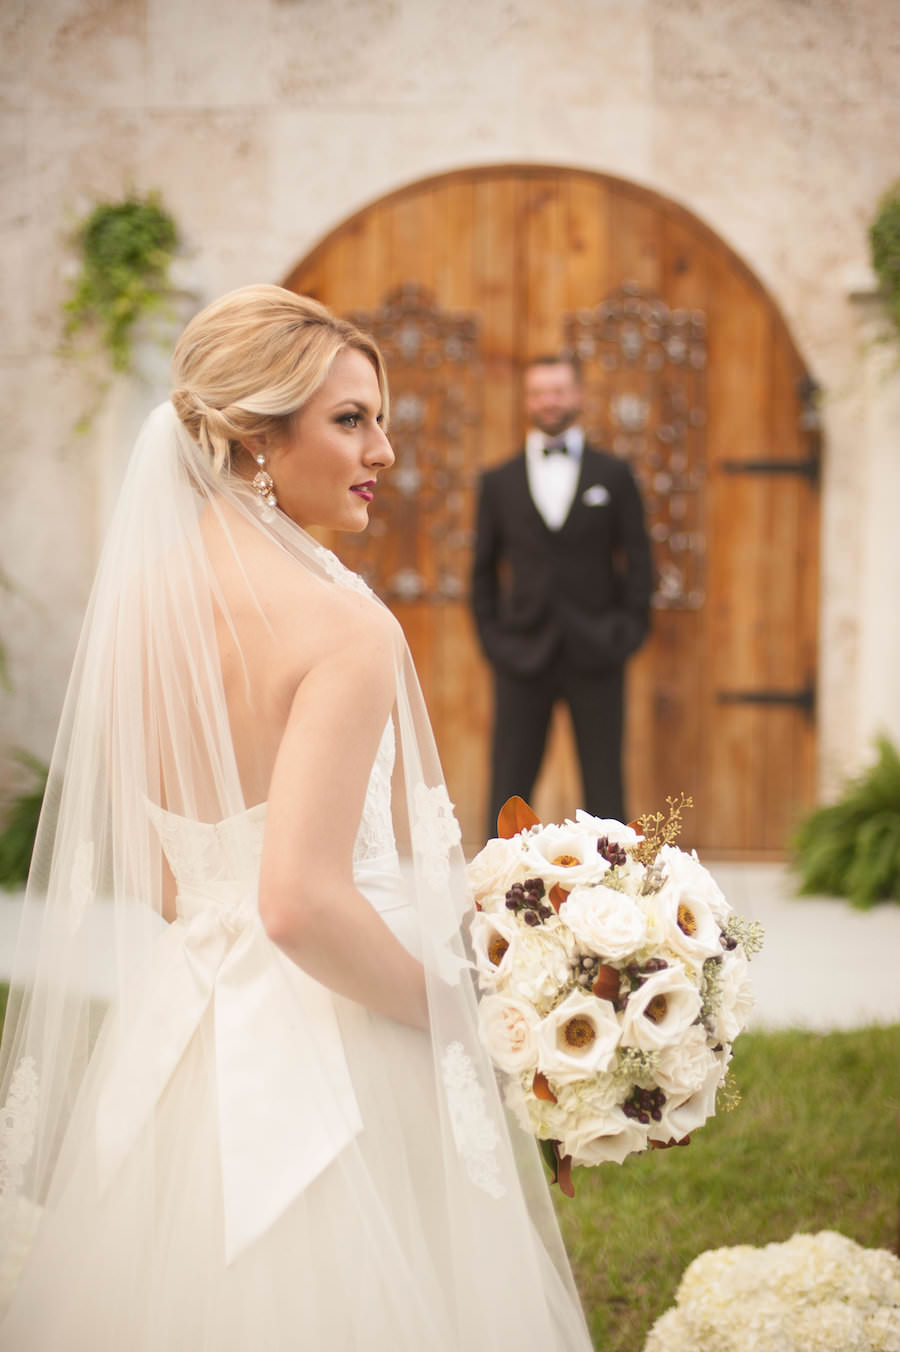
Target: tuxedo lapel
[{"x": 519, "y": 486}]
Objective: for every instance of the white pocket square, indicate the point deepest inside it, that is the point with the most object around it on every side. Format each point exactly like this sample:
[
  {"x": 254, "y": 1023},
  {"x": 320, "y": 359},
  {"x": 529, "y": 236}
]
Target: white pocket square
[{"x": 595, "y": 495}]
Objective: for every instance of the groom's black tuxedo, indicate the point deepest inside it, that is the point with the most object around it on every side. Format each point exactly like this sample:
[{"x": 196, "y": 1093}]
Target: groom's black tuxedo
[{"x": 558, "y": 612}]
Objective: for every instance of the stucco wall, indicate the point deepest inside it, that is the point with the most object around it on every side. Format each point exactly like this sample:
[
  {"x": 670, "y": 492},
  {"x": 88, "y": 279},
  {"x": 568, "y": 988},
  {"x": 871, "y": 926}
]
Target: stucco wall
[{"x": 264, "y": 124}]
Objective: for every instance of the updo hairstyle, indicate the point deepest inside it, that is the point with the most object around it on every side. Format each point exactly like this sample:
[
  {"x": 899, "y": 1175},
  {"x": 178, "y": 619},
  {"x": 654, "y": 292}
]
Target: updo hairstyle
[{"x": 248, "y": 362}]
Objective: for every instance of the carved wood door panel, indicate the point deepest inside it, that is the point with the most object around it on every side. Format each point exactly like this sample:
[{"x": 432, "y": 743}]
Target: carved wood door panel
[{"x": 691, "y": 375}]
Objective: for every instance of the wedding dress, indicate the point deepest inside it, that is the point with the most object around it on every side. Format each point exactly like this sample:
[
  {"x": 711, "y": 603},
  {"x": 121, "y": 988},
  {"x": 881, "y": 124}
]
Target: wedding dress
[{"x": 249, "y": 1160}]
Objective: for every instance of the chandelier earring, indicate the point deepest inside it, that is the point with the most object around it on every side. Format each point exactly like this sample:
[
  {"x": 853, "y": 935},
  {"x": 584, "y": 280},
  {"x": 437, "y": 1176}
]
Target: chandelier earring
[{"x": 264, "y": 487}]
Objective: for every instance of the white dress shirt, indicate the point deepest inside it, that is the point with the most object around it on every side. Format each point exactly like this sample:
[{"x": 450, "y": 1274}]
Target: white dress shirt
[{"x": 553, "y": 479}]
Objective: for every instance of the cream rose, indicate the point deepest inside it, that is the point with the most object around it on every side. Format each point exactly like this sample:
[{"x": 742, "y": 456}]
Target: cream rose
[
  {"x": 577, "y": 1038},
  {"x": 683, "y": 1114},
  {"x": 494, "y": 870},
  {"x": 606, "y": 923},
  {"x": 683, "y": 1067},
  {"x": 507, "y": 1027},
  {"x": 735, "y": 997},
  {"x": 598, "y": 827},
  {"x": 660, "y": 1011},
  {"x": 610, "y": 1136}
]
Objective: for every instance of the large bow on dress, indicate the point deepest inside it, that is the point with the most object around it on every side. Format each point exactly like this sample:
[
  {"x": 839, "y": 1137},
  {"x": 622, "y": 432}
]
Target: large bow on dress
[{"x": 285, "y": 1101}]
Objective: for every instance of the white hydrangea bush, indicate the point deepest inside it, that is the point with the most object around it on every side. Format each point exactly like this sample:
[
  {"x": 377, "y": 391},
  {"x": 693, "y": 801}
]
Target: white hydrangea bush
[{"x": 812, "y": 1293}]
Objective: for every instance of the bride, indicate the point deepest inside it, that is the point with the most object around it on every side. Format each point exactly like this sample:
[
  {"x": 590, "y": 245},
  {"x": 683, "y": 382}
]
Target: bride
[{"x": 245, "y": 1103}]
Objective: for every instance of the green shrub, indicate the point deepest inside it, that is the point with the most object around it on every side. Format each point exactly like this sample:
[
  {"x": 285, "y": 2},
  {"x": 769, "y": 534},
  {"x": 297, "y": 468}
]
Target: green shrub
[
  {"x": 852, "y": 848},
  {"x": 20, "y": 828}
]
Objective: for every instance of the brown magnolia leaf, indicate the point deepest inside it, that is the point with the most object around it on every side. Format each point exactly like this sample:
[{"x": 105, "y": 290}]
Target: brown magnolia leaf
[
  {"x": 541, "y": 1088},
  {"x": 636, "y": 827},
  {"x": 564, "y": 1175},
  {"x": 515, "y": 816},
  {"x": 667, "y": 1145},
  {"x": 606, "y": 983},
  {"x": 557, "y": 896}
]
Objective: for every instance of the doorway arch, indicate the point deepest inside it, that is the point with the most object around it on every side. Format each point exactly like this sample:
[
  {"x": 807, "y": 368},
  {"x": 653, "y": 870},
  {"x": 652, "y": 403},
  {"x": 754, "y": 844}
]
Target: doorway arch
[{"x": 692, "y": 375}]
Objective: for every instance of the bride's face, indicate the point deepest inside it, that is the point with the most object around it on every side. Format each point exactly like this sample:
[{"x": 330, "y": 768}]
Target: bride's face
[{"x": 326, "y": 467}]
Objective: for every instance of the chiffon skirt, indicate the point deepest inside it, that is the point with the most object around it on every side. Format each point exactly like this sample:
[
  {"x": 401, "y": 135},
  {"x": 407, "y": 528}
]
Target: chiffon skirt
[{"x": 361, "y": 1259}]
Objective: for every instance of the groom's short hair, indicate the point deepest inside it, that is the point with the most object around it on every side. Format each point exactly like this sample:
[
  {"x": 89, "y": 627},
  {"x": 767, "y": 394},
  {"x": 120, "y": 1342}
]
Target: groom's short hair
[{"x": 569, "y": 359}]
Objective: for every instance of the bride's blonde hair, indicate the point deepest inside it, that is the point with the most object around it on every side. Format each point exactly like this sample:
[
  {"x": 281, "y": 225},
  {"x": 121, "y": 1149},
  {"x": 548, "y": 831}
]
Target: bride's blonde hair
[{"x": 249, "y": 361}]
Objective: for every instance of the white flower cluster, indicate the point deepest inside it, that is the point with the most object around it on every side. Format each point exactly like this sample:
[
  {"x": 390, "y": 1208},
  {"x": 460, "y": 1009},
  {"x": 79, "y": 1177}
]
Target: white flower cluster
[
  {"x": 611, "y": 991},
  {"x": 812, "y": 1292}
]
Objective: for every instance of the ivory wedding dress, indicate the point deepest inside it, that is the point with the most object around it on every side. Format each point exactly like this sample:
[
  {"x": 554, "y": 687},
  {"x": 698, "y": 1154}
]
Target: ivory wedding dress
[{"x": 248, "y": 1161}]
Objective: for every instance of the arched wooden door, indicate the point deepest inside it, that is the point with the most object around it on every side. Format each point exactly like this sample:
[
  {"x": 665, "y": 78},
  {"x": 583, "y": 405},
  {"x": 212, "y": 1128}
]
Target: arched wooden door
[{"x": 692, "y": 374}]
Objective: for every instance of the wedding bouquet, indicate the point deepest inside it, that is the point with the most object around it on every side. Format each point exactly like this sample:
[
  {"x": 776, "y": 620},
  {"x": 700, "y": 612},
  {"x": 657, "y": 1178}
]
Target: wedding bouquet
[
  {"x": 811, "y": 1292},
  {"x": 614, "y": 978}
]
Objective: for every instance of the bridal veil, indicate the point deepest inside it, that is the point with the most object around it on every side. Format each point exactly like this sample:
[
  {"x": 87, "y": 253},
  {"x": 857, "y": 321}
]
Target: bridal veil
[{"x": 90, "y": 1084}]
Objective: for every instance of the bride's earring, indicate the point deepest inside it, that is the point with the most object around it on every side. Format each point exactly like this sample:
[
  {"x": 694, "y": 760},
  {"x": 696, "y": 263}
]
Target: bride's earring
[{"x": 264, "y": 487}]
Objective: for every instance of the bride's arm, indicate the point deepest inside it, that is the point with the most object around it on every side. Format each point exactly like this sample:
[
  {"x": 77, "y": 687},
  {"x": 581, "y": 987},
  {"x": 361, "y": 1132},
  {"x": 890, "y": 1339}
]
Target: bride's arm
[{"x": 308, "y": 901}]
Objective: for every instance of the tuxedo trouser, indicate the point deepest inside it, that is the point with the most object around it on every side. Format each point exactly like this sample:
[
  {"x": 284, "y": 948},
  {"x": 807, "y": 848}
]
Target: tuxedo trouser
[{"x": 523, "y": 706}]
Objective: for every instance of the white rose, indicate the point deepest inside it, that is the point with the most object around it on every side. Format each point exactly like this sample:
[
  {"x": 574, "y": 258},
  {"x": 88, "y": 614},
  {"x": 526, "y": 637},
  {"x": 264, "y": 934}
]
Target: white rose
[
  {"x": 683, "y": 1067},
  {"x": 494, "y": 870},
  {"x": 687, "y": 873},
  {"x": 735, "y": 997},
  {"x": 660, "y": 1011},
  {"x": 494, "y": 940},
  {"x": 577, "y": 1038},
  {"x": 507, "y": 1027},
  {"x": 610, "y": 1136},
  {"x": 684, "y": 1113},
  {"x": 564, "y": 854},
  {"x": 598, "y": 827},
  {"x": 540, "y": 966},
  {"x": 606, "y": 923}
]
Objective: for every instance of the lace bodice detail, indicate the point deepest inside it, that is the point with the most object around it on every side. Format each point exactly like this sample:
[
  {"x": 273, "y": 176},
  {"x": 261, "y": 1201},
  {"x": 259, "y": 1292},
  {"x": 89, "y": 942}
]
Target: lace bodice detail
[{"x": 227, "y": 853}]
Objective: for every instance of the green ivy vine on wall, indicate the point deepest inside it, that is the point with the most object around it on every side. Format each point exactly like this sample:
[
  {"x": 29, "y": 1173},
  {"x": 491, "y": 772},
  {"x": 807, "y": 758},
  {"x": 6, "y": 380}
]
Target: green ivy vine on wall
[
  {"x": 126, "y": 250},
  {"x": 884, "y": 240}
]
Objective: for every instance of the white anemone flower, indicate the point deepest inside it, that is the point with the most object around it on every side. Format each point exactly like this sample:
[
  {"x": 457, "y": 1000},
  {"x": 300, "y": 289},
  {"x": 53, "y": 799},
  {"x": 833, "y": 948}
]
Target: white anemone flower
[
  {"x": 494, "y": 939},
  {"x": 660, "y": 1011},
  {"x": 578, "y": 1038},
  {"x": 564, "y": 854},
  {"x": 685, "y": 873},
  {"x": 686, "y": 921}
]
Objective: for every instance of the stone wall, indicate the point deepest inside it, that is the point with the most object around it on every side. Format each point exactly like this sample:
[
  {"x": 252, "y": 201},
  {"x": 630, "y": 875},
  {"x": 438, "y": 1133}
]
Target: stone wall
[{"x": 265, "y": 124}]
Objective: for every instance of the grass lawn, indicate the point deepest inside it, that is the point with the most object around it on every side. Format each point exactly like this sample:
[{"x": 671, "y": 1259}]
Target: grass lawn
[{"x": 813, "y": 1145}]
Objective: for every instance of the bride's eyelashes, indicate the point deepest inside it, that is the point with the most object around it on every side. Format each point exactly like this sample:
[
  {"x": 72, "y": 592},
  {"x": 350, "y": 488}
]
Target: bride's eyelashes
[{"x": 355, "y": 418}]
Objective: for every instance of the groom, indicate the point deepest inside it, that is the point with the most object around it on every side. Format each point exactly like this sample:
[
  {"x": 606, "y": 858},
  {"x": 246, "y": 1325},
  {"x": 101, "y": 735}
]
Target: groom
[{"x": 561, "y": 586}]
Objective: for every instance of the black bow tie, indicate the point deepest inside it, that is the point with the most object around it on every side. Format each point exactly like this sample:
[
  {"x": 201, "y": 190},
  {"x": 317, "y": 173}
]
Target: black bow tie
[{"x": 556, "y": 448}]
